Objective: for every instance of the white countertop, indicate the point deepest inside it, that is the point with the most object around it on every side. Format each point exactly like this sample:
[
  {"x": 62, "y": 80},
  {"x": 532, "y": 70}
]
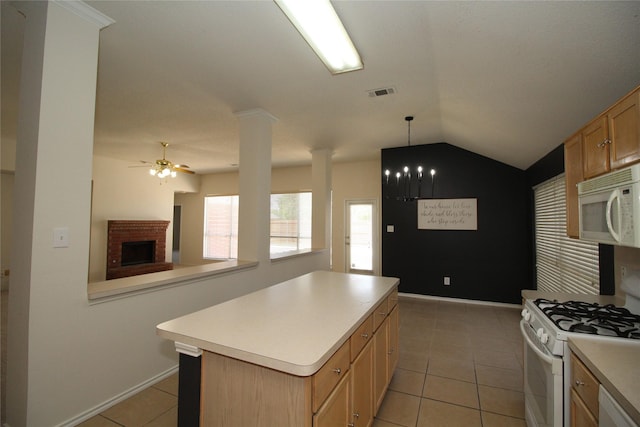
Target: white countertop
[
  {"x": 294, "y": 326},
  {"x": 616, "y": 364}
]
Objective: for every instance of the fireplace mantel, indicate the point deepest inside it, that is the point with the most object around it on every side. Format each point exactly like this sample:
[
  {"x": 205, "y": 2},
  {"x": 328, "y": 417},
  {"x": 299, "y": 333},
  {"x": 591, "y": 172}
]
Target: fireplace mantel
[{"x": 127, "y": 231}]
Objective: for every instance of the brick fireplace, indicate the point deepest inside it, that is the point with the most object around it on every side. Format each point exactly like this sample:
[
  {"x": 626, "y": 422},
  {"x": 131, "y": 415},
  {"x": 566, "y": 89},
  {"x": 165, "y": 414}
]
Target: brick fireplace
[{"x": 136, "y": 247}]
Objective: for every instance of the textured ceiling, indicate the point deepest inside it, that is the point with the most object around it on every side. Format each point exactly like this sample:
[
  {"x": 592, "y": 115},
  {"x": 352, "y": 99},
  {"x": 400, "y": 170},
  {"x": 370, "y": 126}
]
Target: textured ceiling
[{"x": 508, "y": 80}]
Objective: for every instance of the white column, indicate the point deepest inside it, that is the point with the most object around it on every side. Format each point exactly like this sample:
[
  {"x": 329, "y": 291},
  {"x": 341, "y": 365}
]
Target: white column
[
  {"x": 321, "y": 201},
  {"x": 52, "y": 193},
  {"x": 255, "y": 184}
]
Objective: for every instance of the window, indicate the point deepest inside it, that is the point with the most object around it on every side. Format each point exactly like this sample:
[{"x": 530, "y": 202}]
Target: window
[
  {"x": 220, "y": 227},
  {"x": 290, "y": 224},
  {"x": 562, "y": 264}
]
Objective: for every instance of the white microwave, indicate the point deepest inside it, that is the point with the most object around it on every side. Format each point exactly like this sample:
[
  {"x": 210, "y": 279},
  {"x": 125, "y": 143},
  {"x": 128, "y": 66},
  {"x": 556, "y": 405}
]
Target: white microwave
[{"x": 609, "y": 208}]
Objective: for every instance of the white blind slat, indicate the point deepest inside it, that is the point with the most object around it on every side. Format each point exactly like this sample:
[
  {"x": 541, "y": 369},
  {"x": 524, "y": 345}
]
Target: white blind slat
[{"x": 562, "y": 264}]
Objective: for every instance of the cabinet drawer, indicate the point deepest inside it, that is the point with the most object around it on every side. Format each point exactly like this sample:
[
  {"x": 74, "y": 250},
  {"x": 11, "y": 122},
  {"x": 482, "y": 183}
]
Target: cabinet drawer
[
  {"x": 392, "y": 300},
  {"x": 330, "y": 374},
  {"x": 361, "y": 337},
  {"x": 380, "y": 313},
  {"x": 584, "y": 384}
]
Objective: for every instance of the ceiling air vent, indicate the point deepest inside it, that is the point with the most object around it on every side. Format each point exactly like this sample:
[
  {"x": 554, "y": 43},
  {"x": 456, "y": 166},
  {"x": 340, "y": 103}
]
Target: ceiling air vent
[{"x": 382, "y": 91}]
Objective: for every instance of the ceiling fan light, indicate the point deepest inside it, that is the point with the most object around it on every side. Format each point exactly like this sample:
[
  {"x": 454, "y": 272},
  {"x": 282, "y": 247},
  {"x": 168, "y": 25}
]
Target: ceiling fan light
[
  {"x": 152, "y": 172},
  {"x": 173, "y": 174}
]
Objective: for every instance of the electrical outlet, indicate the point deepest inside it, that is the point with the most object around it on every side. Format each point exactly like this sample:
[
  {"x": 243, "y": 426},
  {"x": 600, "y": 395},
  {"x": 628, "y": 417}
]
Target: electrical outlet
[
  {"x": 447, "y": 280},
  {"x": 623, "y": 272}
]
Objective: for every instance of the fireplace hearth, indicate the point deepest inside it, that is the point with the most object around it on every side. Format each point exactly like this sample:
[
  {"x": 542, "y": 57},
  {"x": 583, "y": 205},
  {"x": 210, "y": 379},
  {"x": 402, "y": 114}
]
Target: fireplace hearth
[{"x": 136, "y": 247}]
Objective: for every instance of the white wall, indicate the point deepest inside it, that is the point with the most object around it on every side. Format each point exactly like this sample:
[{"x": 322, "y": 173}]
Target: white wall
[
  {"x": 353, "y": 180},
  {"x": 627, "y": 257},
  {"x": 67, "y": 357},
  {"x": 125, "y": 193}
]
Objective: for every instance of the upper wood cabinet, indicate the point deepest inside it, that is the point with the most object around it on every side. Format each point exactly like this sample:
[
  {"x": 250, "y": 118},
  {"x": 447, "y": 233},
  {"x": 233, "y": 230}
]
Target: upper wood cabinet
[
  {"x": 624, "y": 131},
  {"x": 573, "y": 175},
  {"x": 595, "y": 141},
  {"x": 608, "y": 142},
  {"x": 612, "y": 140}
]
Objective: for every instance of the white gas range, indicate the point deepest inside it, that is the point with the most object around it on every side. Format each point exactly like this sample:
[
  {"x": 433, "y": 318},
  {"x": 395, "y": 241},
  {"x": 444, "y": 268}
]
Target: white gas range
[{"x": 546, "y": 324}]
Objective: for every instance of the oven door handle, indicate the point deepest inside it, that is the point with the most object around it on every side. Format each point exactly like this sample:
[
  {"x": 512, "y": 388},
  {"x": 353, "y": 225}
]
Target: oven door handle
[{"x": 547, "y": 358}]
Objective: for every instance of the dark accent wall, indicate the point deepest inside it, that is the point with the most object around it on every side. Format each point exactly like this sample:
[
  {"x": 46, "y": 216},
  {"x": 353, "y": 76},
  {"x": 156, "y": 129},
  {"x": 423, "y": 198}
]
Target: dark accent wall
[{"x": 492, "y": 263}]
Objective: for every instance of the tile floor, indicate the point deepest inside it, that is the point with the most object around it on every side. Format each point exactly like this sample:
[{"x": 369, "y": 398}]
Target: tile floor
[{"x": 460, "y": 365}]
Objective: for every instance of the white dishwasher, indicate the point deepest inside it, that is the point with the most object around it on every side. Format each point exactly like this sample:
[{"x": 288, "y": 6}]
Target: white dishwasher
[{"x": 611, "y": 413}]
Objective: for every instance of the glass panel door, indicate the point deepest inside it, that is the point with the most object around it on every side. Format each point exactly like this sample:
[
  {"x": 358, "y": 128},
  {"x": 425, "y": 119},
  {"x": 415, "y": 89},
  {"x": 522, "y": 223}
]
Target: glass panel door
[{"x": 360, "y": 240}]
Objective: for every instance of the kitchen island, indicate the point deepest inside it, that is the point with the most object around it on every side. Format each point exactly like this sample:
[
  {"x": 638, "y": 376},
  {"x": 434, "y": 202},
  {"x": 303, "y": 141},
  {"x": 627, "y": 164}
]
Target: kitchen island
[{"x": 316, "y": 350}]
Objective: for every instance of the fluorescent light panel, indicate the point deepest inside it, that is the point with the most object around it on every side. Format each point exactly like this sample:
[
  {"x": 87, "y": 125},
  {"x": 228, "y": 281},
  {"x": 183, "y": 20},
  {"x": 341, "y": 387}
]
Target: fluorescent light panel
[{"x": 318, "y": 23}]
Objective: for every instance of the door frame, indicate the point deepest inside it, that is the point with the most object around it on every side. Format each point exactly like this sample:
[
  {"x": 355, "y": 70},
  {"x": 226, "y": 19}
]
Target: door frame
[{"x": 375, "y": 233}]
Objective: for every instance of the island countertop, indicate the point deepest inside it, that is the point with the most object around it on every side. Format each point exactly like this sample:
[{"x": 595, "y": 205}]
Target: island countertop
[{"x": 293, "y": 326}]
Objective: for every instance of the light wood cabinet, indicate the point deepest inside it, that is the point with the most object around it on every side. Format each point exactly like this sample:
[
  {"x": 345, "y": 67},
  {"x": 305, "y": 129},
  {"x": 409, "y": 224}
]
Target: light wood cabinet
[
  {"x": 336, "y": 410},
  {"x": 361, "y": 337},
  {"x": 380, "y": 363},
  {"x": 612, "y": 140},
  {"x": 328, "y": 376},
  {"x": 608, "y": 142},
  {"x": 580, "y": 414},
  {"x": 394, "y": 343},
  {"x": 584, "y": 395},
  {"x": 340, "y": 394},
  {"x": 595, "y": 147},
  {"x": 362, "y": 388},
  {"x": 624, "y": 131},
  {"x": 379, "y": 314},
  {"x": 573, "y": 175}
]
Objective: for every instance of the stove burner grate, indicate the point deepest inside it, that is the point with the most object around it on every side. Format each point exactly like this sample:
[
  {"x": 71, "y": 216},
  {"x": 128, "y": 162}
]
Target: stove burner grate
[{"x": 591, "y": 318}]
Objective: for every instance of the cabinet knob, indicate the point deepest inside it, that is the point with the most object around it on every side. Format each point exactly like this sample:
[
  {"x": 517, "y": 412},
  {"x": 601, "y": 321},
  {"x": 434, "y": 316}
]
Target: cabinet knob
[
  {"x": 337, "y": 371},
  {"x": 603, "y": 143},
  {"x": 365, "y": 336},
  {"x": 351, "y": 425},
  {"x": 579, "y": 383},
  {"x": 356, "y": 415}
]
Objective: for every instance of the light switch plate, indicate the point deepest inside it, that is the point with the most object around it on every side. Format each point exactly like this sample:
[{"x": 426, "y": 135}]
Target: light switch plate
[{"x": 61, "y": 237}]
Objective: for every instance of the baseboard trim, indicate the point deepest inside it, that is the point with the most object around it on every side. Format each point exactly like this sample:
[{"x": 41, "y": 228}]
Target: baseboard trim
[
  {"x": 96, "y": 410},
  {"x": 458, "y": 300}
]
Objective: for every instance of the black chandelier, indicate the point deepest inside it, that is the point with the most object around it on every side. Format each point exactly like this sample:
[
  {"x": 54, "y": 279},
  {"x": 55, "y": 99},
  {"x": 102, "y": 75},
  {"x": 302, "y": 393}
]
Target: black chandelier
[{"x": 403, "y": 185}]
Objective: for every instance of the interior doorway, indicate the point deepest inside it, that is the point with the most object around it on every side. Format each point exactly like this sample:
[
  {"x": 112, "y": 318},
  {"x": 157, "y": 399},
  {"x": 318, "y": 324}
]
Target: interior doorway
[
  {"x": 177, "y": 224},
  {"x": 361, "y": 237}
]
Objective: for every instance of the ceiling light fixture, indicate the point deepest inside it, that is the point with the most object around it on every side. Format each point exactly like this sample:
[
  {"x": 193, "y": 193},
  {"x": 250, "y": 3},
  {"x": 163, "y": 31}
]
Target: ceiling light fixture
[
  {"x": 164, "y": 168},
  {"x": 318, "y": 23},
  {"x": 403, "y": 185}
]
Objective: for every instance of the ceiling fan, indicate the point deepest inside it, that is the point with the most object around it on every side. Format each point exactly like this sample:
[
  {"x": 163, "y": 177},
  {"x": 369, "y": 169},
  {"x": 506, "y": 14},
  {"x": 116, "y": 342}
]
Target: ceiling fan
[{"x": 163, "y": 168}]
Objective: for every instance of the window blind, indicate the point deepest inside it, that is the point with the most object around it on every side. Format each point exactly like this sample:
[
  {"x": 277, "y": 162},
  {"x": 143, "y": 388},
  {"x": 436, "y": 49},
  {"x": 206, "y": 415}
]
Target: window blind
[
  {"x": 220, "y": 227},
  {"x": 562, "y": 264}
]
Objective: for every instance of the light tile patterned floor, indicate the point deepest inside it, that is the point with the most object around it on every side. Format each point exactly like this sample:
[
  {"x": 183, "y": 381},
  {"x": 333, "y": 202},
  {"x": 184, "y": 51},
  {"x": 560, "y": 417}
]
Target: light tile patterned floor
[{"x": 460, "y": 365}]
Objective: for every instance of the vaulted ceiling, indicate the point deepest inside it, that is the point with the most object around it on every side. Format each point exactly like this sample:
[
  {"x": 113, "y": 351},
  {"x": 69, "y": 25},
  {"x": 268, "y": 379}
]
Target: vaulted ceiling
[{"x": 508, "y": 80}]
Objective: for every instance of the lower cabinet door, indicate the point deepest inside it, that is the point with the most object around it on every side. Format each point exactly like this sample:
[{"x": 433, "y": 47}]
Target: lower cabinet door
[
  {"x": 335, "y": 411},
  {"x": 362, "y": 388},
  {"x": 394, "y": 343},
  {"x": 580, "y": 415},
  {"x": 380, "y": 363}
]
